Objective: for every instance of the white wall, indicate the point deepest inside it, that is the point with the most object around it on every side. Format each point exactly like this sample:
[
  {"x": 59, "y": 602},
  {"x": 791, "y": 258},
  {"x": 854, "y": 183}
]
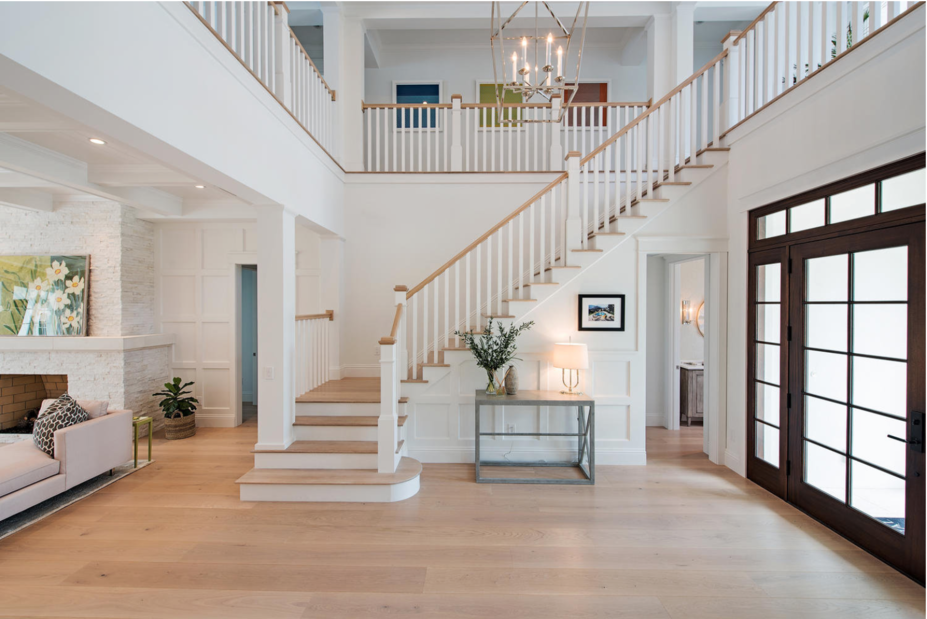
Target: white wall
[
  {"x": 460, "y": 69},
  {"x": 865, "y": 110},
  {"x": 692, "y": 288},
  {"x": 657, "y": 308},
  {"x": 195, "y": 289}
]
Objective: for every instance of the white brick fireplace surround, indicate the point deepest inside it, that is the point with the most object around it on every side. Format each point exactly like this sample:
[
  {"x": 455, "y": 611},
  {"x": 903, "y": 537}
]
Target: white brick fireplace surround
[{"x": 122, "y": 359}]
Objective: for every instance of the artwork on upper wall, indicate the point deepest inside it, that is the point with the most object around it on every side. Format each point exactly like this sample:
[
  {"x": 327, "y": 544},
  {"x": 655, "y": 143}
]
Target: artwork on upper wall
[
  {"x": 43, "y": 295},
  {"x": 601, "y": 312}
]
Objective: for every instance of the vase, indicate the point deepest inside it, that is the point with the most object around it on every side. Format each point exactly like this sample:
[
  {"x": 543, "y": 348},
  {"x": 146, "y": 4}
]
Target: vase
[
  {"x": 492, "y": 388},
  {"x": 511, "y": 381}
]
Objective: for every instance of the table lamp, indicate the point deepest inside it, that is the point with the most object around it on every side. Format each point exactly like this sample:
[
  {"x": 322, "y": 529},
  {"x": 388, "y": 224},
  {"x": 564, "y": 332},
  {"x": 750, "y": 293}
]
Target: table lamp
[{"x": 571, "y": 357}]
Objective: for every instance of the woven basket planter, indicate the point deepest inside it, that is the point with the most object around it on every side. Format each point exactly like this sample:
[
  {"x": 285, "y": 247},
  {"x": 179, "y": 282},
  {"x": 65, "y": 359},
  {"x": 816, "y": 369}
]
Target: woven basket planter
[{"x": 177, "y": 426}]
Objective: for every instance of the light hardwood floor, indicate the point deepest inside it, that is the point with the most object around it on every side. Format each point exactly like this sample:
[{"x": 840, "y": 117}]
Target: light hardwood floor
[{"x": 680, "y": 538}]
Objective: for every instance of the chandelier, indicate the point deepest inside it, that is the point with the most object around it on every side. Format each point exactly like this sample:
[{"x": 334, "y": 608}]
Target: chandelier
[{"x": 535, "y": 67}]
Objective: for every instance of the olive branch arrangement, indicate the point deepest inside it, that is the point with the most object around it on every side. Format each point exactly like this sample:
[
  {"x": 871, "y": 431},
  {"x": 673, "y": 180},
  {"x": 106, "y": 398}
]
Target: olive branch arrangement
[{"x": 493, "y": 351}]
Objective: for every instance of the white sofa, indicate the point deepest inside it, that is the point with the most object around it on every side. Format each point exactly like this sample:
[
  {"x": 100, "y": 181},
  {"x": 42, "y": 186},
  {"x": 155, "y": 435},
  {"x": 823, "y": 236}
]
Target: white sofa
[{"x": 29, "y": 476}]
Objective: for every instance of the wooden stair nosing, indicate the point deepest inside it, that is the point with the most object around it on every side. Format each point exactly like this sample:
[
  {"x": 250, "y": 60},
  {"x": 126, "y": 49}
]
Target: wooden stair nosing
[
  {"x": 324, "y": 447},
  {"x": 413, "y": 380},
  {"x": 587, "y": 251},
  {"x": 342, "y": 420},
  {"x": 433, "y": 365},
  {"x": 408, "y": 469},
  {"x": 399, "y": 446},
  {"x": 496, "y": 316},
  {"x": 519, "y": 300}
]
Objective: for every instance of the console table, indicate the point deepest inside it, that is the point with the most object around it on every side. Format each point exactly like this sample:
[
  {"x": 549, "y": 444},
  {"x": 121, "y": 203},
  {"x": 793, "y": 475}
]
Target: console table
[{"x": 585, "y": 435}]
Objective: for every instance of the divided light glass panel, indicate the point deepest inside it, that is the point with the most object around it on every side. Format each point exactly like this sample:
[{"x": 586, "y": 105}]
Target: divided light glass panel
[
  {"x": 767, "y": 359},
  {"x": 852, "y": 204},
  {"x": 770, "y": 225},
  {"x": 904, "y": 190},
  {"x": 807, "y": 216}
]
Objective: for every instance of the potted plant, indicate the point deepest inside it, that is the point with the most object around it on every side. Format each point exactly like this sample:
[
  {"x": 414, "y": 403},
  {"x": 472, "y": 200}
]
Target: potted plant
[
  {"x": 179, "y": 411},
  {"x": 492, "y": 352}
]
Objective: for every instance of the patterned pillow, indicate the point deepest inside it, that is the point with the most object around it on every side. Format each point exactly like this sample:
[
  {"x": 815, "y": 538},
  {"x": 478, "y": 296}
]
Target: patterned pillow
[{"x": 61, "y": 413}]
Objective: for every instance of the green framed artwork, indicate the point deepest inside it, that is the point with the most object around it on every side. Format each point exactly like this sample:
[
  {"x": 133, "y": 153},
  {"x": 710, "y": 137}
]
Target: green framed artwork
[
  {"x": 43, "y": 295},
  {"x": 487, "y": 94}
]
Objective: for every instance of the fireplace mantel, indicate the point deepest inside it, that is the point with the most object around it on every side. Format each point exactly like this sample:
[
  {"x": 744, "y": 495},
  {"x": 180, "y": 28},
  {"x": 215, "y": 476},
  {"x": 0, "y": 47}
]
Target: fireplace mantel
[{"x": 87, "y": 344}]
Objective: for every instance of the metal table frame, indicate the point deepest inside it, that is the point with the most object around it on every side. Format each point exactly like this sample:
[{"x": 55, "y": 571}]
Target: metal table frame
[{"x": 585, "y": 435}]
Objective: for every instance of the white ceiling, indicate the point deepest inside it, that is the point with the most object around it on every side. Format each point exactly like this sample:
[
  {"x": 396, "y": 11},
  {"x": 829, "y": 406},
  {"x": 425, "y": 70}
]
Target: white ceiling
[{"x": 46, "y": 158}]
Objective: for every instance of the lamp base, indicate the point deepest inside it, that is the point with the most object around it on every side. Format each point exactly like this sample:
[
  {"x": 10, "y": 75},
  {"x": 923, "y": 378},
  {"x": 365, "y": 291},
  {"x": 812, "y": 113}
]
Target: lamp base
[
  {"x": 569, "y": 384},
  {"x": 572, "y": 392}
]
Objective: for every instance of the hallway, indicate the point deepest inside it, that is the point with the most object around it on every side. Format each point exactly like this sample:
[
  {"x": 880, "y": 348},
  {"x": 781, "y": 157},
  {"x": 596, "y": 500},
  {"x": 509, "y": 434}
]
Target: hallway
[{"x": 679, "y": 538}]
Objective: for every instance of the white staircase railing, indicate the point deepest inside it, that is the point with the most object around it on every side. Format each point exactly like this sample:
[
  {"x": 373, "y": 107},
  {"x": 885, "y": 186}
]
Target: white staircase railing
[
  {"x": 467, "y": 137},
  {"x": 259, "y": 36},
  {"x": 312, "y": 350},
  {"x": 791, "y": 41}
]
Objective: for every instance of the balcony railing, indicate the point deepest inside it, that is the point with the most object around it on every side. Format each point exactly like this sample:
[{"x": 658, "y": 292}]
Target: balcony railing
[
  {"x": 259, "y": 36},
  {"x": 468, "y": 137}
]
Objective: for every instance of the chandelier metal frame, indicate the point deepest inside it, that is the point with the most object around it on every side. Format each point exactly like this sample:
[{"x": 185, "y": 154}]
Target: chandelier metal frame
[{"x": 549, "y": 80}]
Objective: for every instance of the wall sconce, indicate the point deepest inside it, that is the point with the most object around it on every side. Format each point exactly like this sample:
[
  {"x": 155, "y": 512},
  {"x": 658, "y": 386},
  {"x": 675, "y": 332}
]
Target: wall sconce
[{"x": 686, "y": 313}]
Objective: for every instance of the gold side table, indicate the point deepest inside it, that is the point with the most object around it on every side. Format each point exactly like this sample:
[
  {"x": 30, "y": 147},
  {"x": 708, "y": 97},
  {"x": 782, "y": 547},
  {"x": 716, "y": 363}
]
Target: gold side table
[{"x": 140, "y": 421}]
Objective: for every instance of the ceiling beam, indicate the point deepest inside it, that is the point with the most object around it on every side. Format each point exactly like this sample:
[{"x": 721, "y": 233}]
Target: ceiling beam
[
  {"x": 136, "y": 175},
  {"x": 29, "y": 200},
  {"x": 28, "y": 158}
]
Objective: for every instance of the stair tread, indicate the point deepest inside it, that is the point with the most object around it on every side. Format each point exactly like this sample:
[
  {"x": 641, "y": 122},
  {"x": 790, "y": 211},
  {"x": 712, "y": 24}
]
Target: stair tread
[
  {"x": 496, "y": 316},
  {"x": 519, "y": 300},
  {"x": 434, "y": 365},
  {"x": 587, "y": 251},
  {"x": 462, "y": 348},
  {"x": 342, "y": 420},
  {"x": 413, "y": 380},
  {"x": 717, "y": 149},
  {"x": 325, "y": 447},
  {"x": 344, "y": 391},
  {"x": 676, "y": 183},
  {"x": 696, "y": 165},
  {"x": 399, "y": 446},
  {"x": 652, "y": 200},
  {"x": 408, "y": 468}
]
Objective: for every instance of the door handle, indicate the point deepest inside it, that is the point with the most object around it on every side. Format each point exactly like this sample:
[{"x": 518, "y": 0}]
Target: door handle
[
  {"x": 902, "y": 440},
  {"x": 917, "y": 433}
]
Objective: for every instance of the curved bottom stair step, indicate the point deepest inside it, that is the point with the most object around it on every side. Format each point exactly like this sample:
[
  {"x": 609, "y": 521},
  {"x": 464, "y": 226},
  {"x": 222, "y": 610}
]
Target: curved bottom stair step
[{"x": 324, "y": 447}]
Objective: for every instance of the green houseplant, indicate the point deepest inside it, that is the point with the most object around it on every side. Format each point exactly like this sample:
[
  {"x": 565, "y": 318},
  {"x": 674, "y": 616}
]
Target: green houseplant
[
  {"x": 493, "y": 352},
  {"x": 179, "y": 410}
]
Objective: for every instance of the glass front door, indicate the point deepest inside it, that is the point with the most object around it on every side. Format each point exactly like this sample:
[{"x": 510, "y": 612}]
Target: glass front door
[{"x": 856, "y": 370}]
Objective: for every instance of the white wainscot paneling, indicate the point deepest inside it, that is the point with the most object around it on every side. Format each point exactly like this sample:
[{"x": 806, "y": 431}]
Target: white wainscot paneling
[
  {"x": 218, "y": 244},
  {"x": 215, "y": 388},
  {"x": 612, "y": 423},
  {"x": 216, "y": 340},
  {"x": 178, "y": 295},
  {"x": 178, "y": 249},
  {"x": 431, "y": 421},
  {"x": 611, "y": 379},
  {"x": 217, "y": 295},
  {"x": 184, "y": 340}
]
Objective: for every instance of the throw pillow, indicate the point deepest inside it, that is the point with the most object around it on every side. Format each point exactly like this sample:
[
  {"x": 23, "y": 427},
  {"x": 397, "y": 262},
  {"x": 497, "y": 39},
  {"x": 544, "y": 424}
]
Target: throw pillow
[{"x": 61, "y": 413}]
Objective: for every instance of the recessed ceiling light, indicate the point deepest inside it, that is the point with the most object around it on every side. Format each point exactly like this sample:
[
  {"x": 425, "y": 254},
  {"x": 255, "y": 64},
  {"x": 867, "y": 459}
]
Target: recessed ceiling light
[
  {"x": 97, "y": 141},
  {"x": 201, "y": 186}
]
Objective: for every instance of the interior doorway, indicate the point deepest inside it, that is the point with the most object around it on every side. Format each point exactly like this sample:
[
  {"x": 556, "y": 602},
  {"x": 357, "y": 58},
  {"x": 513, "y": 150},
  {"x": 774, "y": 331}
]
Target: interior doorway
[
  {"x": 676, "y": 348},
  {"x": 249, "y": 342}
]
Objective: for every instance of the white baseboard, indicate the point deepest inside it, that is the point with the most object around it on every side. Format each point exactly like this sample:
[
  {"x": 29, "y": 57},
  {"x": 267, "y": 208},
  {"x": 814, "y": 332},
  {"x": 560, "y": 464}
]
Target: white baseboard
[
  {"x": 656, "y": 420},
  {"x": 463, "y": 455},
  {"x": 215, "y": 421},
  {"x": 734, "y": 462},
  {"x": 335, "y": 373},
  {"x": 247, "y": 396},
  {"x": 360, "y": 370}
]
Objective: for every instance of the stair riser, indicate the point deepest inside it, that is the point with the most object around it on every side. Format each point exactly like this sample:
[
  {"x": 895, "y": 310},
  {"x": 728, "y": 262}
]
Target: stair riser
[
  {"x": 433, "y": 374},
  {"x": 335, "y": 433},
  {"x": 330, "y": 493},
  {"x": 339, "y": 409},
  {"x": 314, "y": 461}
]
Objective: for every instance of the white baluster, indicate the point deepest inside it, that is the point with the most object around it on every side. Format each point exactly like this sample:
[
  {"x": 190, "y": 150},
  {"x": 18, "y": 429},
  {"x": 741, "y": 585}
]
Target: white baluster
[
  {"x": 521, "y": 256},
  {"x": 414, "y": 355},
  {"x": 467, "y": 307},
  {"x": 479, "y": 278},
  {"x": 499, "y": 284},
  {"x": 531, "y": 209},
  {"x": 456, "y": 302}
]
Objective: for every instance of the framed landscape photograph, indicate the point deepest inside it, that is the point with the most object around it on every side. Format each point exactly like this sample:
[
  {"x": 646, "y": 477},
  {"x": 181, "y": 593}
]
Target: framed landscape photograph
[
  {"x": 601, "y": 312},
  {"x": 44, "y": 295}
]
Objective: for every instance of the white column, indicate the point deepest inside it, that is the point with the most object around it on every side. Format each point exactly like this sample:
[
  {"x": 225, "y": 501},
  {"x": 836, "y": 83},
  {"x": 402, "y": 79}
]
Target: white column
[
  {"x": 683, "y": 42},
  {"x": 660, "y": 45},
  {"x": 276, "y": 238},
  {"x": 332, "y": 297},
  {"x": 730, "y": 84},
  {"x": 283, "y": 87},
  {"x": 456, "y": 145},
  {"x": 574, "y": 226},
  {"x": 387, "y": 428},
  {"x": 556, "y": 149},
  {"x": 344, "y": 72}
]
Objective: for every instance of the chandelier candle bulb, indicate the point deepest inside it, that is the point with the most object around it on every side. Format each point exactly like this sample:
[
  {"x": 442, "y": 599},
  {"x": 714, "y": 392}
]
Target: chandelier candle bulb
[
  {"x": 550, "y": 41},
  {"x": 559, "y": 62},
  {"x": 514, "y": 67}
]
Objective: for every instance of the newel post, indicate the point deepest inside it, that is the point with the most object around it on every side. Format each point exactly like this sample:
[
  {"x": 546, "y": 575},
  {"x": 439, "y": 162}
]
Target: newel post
[
  {"x": 556, "y": 150},
  {"x": 456, "y": 143},
  {"x": 731, "y": 84},
  {"x": 387, "y": 424},
  {"x": 573, "y": 234},
  {"x": 283, "y": 87}
]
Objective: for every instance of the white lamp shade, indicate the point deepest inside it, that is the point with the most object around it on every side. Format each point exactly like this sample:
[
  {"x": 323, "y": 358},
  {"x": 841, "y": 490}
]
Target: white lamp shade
[{"x": 571, "y": 356}]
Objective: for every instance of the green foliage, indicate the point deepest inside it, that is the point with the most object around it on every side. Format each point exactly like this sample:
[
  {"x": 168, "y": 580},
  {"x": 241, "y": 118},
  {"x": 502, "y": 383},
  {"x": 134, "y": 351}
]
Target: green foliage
[
  {"x": 174, "y": 401},
  {"x": 492, "y": 352}
]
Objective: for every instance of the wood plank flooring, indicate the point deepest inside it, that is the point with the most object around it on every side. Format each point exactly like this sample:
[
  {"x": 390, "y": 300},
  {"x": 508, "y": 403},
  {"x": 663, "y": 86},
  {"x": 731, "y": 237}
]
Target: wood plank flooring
[{"x": 678, "y": 539}]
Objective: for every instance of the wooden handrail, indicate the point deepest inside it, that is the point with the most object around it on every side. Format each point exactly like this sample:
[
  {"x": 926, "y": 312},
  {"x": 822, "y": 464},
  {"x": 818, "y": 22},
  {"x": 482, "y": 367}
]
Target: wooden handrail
[
  {"x": 314, "y": 68},
  {"x": 433, "y": 106},
  {"x": 666, "y": 97},
  {"x": 391, "y": 338},
  {"x": 329, "y": 314},
  {"x": 486, "y": 235},
  {"x": 753, "y": 24}
]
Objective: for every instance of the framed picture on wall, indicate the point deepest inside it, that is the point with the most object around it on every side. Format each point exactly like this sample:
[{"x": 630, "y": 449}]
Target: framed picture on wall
[
  {"x": 44, "y": 295},
  {"x": 601, "y": 312}
]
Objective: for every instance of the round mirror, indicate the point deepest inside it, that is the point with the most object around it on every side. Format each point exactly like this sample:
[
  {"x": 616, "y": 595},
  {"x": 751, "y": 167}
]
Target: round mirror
[{"x": 700, "y": 319}]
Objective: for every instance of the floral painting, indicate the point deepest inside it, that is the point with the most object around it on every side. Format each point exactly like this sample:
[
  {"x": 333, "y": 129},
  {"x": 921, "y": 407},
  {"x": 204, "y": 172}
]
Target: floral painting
[{"x": 43, "y": 295}]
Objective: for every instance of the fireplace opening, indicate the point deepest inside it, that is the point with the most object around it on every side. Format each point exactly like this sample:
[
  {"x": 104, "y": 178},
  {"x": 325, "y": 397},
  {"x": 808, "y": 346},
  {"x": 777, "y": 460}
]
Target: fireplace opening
[{"x": 21, "y": 397}]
